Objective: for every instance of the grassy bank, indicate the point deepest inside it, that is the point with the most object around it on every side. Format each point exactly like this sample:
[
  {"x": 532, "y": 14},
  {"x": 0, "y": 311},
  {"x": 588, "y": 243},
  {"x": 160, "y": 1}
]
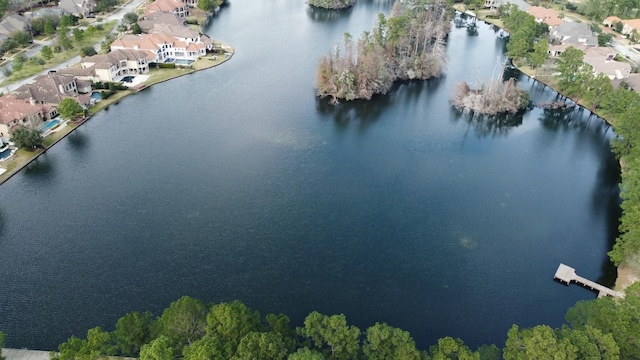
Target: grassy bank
[{"x": 22, "y": 157}]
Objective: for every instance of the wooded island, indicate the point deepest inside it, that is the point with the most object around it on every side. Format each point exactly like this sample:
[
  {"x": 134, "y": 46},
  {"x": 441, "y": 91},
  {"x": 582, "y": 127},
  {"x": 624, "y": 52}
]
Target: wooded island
[{"x": 410, "y": 44}]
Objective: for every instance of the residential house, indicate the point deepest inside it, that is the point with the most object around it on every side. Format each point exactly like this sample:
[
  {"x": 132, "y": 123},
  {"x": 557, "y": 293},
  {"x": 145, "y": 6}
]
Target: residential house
[
  {"x": 80, "y": 8},
  {"x": 13, "y": 23},
  {"x": 111, "y": 67},
  {"x": 611, "y": 20},
  {"x": 574, "y": 33},
  {"x": 192, "y": 41},
  {"x": 489, "y": 4},
  {"x": 557, "y": 50},
  {"x": 177, "y": 7},
  {"x": 46, "y": 11},
  {"x": 161, "y": 47},
  {"x": 544, "y": 15},
  {"x": 633, "y": 82},
  {"x": 150, "y": 20},
  {"x": 16, "y": 112},
  {"x": 52, "y": 88},
  {"x": 602, "y": 61},
  {"x": 629, "y": 26}
]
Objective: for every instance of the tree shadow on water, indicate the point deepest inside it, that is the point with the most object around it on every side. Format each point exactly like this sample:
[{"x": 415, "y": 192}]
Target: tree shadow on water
[
  {"x": 605, "y": 203},
  {"x": 557, "y": 119},
  {"x": 364, "y": 112},
  {"x": 2, "y": 223},
  {"x": 78, "y": 140},
  {"x": 491, "y": 125},
  {"x": 41, "y": 168},
  {"x": 574, "y": 117},
  {"x": 327, "y": 15},
  {"x": 406, "y": 90}
]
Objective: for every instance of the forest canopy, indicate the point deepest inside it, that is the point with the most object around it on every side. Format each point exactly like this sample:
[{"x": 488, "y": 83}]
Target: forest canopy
[{"x": 193, "y": 330}]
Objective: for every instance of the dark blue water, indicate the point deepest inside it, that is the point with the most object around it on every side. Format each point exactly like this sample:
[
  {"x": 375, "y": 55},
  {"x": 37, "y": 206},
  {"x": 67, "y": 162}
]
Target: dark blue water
[{"x": 238, "y": 183}]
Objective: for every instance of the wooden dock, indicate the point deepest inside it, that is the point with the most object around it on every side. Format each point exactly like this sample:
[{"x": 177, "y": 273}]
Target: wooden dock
[
  {"x": 24, "y": 354},
  {"x": 567, "y": 274}
]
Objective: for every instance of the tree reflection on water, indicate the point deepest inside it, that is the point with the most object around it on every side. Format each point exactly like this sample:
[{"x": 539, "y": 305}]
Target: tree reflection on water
[{"x": 494, "y": 125}]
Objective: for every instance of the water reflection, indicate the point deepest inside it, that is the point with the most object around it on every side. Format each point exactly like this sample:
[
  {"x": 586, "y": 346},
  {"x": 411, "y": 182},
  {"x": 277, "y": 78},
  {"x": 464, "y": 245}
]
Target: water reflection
[
  {"x": 41, "y": 168},
  {"x": 495, "y": 125},
  {"x": 362, "y": 111},
  {"x": 605, "y": 202},
  {"x": 556, "y": 119},
  {"x": 2, "y": 223},
  {"x": 78, "y": 140},
  {"x": 326, "y": 15}
]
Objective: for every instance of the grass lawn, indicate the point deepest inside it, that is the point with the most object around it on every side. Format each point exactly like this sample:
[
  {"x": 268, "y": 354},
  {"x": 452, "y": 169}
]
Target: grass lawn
[
  {"x": 31, "y": 68},
  {"x": 105, "y": 103},
  {"x": 21, "y": 158}
]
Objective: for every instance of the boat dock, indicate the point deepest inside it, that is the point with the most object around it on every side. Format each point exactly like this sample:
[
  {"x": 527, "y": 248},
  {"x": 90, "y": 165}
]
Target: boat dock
[
  {"x": 567, "y": 274},
  {"x": 24, "y": 354}
]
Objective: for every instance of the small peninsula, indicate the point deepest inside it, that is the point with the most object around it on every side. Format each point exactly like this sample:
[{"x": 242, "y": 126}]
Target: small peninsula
[{"x": 498, "y": 97}]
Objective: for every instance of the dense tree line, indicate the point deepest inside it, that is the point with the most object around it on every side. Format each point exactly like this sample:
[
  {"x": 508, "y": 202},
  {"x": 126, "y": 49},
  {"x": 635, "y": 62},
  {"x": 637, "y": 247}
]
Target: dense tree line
[
  {"x": 407, "y": 45},
  {"x": 332, "y": 4},
  {"x": 526, "y": 36},
  {"x": 192, "y": 330},
  {"x": 598, "y": 10},
  {"x": 621, "y": 107}
]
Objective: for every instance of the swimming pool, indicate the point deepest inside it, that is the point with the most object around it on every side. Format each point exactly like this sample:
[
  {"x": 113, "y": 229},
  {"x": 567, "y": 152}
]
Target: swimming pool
[
  {"x": 6, "y": 153},
  {"x": 48, "y": 125},
  {"x": 183, "y": 62},
  {"x": 96, "y": 96}
]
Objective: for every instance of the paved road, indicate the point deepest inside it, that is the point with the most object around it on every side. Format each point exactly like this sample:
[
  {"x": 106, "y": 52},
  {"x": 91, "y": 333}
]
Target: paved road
[
  {"x": 35, "y": 49},
  {"x": 625, "y": 50}
]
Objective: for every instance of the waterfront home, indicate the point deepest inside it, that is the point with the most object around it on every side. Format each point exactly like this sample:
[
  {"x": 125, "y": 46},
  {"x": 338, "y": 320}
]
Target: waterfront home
[
  {"x": 575, "y": 34},
  {"x": 193, "y": 40},
  {"x": 602, "y": 61},
  {"x": 111, "y": 67},
  {"x": 179, "y": 8},
  {"x": 161, "y": 47},
  {"x": 80, "y": 8},
  {"x": 52, "y": 88},
  {"x": 16, "y": 112},
  {"x": 544, "y": 15}
]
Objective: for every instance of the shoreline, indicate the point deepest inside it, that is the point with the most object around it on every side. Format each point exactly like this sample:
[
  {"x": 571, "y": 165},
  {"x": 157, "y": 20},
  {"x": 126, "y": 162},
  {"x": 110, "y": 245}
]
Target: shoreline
[
  {"x": 626, "y": 272},
  {"x": 23, "y": 158}
]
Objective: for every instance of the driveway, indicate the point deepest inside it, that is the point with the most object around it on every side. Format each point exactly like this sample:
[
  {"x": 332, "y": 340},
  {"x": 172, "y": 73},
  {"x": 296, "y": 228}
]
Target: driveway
[{"x": 35, "y": 49}]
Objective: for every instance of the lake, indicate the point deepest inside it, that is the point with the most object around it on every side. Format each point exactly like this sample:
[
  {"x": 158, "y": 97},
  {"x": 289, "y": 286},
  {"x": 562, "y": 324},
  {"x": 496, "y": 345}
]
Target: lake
[{"x": 239, "y": 183}]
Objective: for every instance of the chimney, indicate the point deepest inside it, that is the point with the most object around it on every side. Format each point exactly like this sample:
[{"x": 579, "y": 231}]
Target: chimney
[{"x": 32, "y": 101}]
